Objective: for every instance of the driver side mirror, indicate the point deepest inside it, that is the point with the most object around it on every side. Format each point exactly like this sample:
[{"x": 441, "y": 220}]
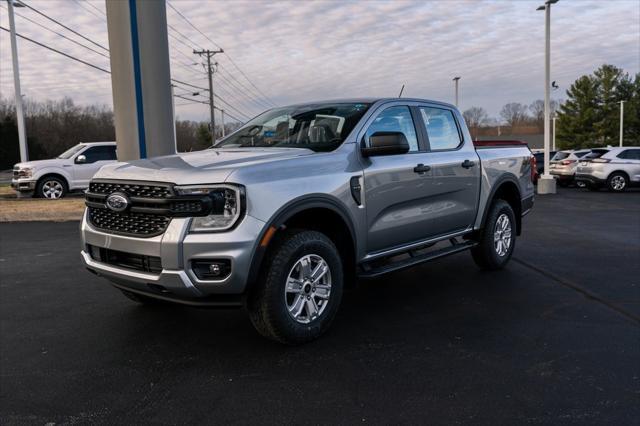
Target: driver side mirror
[
  {"x": 385, "y": 143},
  {"x": 81, "y": 159}
]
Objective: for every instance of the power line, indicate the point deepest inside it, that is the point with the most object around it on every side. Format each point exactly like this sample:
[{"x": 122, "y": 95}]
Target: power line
[
  {"x": 195, "y": 101},
  {"x": 64, "y": 26},
  {"x": 95, "y": 8},
  {"x": 58, "y": 51},
  {"x": 185, "y": 37},
  {"x": 262, "y": 104},
  {"x": 226, "y": 54},
  {"x": 192, "y": 100},
  {"x": 233, "y": 77},
  {"x": 103, "y": 69},
  {"x": 89, "y": 10},
  {"x": 58, "y": 34},
  {"x": 206, "y": 90}
]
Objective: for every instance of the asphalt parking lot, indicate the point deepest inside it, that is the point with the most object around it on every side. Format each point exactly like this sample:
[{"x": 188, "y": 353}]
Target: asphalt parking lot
[{"x": 554, "y": 338}]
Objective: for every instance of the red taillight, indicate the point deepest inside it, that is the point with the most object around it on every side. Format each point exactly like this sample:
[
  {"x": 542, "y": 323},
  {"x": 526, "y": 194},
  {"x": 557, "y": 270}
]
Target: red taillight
[
  {"x": 534, "y": 168},
  {"x": 567, "y": 162}
]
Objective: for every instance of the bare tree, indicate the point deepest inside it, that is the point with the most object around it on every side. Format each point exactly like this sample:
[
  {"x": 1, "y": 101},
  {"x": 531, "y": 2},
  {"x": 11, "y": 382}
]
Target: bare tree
[
  {"x": 475, "y": 117},
  {"x": 537, "y": 112},
  {"x": 514, "y": 114}
]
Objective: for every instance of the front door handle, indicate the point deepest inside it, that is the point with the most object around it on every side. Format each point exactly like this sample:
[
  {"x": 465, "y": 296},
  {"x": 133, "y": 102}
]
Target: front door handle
[
  {"x": 421, "y": 168},
  {"x": 467, "y": 164}
]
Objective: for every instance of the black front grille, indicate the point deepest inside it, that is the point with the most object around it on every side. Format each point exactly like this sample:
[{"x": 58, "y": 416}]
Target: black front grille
[
  {"x": 143, "y": 190},
  {"x": 138, "y": 262},
  {"x": 151, "y": 207},
  {"x": 128, "y": 223}
]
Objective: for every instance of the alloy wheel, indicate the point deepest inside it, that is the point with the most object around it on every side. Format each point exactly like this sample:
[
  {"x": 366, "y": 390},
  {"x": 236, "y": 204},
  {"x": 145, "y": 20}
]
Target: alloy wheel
[
  {"x": 308, "y": 288},
  {"x": 52, "y": 189},
  {"x": 502, "y": 235},
  {"x": 618, "y": 183}
]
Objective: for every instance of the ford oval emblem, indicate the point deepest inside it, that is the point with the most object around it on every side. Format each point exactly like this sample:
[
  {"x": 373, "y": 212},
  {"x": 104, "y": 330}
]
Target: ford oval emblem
[{"x": 117, "y": 202}]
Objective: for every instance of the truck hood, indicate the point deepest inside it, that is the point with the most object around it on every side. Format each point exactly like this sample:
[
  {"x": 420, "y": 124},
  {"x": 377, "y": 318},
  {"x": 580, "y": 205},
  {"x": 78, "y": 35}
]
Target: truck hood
[
  {"x": 208, "y": 166},
  {"x": 41, "y": 164}
]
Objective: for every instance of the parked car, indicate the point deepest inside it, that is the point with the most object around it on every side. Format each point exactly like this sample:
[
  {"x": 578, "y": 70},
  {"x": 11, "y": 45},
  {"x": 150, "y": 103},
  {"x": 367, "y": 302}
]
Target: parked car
[
  {"x": 70, "y": 171},
  {"x": 614, "y": 168},
  {"x": 283, "y": 213},
  {"x": 563, "y": 165},
  {"x": 539, "y": 156}
]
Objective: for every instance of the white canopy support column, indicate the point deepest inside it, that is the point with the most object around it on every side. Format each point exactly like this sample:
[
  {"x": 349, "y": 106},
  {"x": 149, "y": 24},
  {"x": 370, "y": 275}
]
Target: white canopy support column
[{"x": 140, "y": 78}]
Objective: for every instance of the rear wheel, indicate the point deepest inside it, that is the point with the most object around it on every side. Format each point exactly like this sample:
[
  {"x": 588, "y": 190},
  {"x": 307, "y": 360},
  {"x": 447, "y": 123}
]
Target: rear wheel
[
  {"x": 299, "y": 294},
  {"x": 617, "y": 182},
  {"x": 497, "y": 238}
]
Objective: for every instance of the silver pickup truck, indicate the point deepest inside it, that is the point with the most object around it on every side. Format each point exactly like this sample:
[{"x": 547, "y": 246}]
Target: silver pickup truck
[{"x": 283, "y": 214}]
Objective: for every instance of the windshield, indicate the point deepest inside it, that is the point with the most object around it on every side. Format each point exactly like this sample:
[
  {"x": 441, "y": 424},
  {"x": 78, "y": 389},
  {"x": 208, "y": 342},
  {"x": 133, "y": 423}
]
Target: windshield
[
  {"x": 70, "y": 152},
  {"x": 320, "y": 127}
]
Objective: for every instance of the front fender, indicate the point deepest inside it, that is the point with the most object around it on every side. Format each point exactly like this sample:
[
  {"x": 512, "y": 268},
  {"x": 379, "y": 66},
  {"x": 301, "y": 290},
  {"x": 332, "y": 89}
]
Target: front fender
[
  {"x": 290, "y": 209},
  {"x": 53, "y": 171}
]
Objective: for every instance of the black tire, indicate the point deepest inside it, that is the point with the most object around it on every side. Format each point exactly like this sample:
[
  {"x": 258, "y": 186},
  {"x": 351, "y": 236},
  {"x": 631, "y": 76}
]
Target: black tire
[
  {"x": 267, "y": 302},
  {"x": 617, "y": 182},
  {"x": 48, "y": 183},
  {"x": 485, "y": 254},
  {"x": 563, "y": 183},
  {"x": 143, "y": 300}
]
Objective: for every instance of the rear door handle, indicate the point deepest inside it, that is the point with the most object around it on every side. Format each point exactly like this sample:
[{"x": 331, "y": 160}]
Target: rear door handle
[
  {"x": 467, "y": 164},
  {"x": 421, "y": 168}
]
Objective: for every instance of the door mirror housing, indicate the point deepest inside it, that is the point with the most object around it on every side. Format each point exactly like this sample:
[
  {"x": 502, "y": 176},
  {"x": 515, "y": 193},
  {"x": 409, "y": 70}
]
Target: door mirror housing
[
  {"x": 385, "y": 143},
  {"x": 81, "y": 159}
]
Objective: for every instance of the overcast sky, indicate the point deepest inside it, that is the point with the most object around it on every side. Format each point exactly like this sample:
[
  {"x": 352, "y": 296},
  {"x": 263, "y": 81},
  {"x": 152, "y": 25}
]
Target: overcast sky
[{"x": 303, "y": 50}]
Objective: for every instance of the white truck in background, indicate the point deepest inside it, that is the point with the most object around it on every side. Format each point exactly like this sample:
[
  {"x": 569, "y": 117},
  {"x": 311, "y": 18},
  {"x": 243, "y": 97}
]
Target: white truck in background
[{"x": 70, "y": 171}]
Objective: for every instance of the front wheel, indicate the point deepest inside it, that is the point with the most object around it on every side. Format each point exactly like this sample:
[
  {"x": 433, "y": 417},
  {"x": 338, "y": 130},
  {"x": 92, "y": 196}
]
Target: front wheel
[
  {"x": 52, "y": 188},
  {"x": 497, "y": 238},
  {"x": 300, "y": 291}
]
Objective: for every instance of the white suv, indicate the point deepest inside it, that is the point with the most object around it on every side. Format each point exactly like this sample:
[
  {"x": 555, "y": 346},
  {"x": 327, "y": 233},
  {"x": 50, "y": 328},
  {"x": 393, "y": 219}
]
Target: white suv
[
  {"x": 615, "y": 168},
  {"x": 70, "y": 171},
  {"x": 563, "y": 165}
]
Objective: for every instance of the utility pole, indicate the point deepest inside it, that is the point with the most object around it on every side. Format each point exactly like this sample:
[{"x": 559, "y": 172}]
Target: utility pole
[
  {"x": 222, "y": 114},
  {"x": 22, "y": 136},
  {"x": 621, "y": 121},
  {"x": 456, "y": 79},
  {"x": 209, "y": 54}
]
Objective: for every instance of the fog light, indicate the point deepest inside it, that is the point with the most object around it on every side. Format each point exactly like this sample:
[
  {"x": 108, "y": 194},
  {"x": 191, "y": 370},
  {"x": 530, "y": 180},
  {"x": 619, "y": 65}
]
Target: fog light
[{"x": 211, "y": 269}]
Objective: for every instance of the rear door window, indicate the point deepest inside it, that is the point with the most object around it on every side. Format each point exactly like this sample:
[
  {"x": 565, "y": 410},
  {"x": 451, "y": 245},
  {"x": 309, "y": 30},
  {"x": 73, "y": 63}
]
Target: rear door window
[
  {"x": 442, "y": 129},
  {"x": 630, "y": 154}
]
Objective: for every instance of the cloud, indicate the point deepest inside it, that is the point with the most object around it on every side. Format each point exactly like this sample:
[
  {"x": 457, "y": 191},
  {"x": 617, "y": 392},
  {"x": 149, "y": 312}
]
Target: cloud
[{"x": 302, "y": 50}]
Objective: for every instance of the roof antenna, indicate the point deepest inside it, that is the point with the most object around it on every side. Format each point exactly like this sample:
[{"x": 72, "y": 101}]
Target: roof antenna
[{"x": 401, "y": 90}]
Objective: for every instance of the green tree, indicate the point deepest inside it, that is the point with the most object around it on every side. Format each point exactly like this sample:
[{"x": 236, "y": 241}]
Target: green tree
[
  {"x": 578, "y": 114},
  {"x": 590, "y": 116}
]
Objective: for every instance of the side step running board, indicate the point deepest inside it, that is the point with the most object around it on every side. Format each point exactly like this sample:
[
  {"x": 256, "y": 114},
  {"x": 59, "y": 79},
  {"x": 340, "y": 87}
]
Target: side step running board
[{"x": 456, "y": 247}]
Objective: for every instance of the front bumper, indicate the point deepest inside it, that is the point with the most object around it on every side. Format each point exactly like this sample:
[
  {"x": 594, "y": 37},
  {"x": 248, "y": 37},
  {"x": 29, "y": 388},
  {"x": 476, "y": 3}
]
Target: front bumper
[
  {"x": 23, "y": 185},
  {"x": 177, "y": 248}
]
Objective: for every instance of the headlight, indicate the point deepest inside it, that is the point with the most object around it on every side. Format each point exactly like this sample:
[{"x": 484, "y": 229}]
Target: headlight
[
  {"x": 26, "y": 172},
  {"x": 226, "y": 206}
]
